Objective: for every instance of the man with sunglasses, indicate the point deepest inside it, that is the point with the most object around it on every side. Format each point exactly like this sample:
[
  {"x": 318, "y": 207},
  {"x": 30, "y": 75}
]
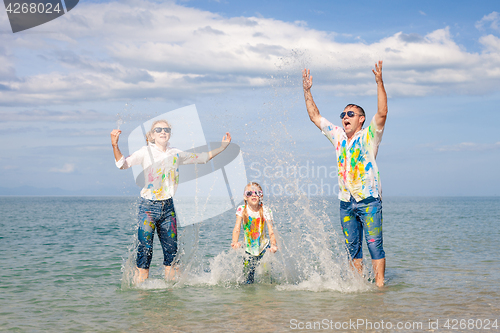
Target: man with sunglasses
[{"x": 360, "y": 192}]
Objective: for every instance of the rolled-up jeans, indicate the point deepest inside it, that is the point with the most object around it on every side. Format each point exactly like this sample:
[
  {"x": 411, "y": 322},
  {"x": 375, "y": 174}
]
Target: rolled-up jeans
[
  {"x": 356, "y": 217},
  {"x": 159, "y": 215}
]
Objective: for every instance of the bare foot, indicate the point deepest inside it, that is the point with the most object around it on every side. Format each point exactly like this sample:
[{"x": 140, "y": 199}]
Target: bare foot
[
  {"x": 379, "y": 268},
  {"x": 141, "y": 275},
  {"x": 171, "y": 273}
]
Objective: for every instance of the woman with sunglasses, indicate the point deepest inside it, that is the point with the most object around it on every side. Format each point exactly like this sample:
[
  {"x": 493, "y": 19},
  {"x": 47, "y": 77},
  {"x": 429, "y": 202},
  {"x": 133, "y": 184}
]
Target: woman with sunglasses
[
  {"x": 160, "y": 163},
  {"x": 253, "y": 216}
]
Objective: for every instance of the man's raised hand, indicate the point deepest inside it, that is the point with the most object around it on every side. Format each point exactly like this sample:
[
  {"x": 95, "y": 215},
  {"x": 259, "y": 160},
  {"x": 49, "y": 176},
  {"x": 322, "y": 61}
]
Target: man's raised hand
[
  {"x": 378, "y": 72},
  {"x": 307, "y": 79}
]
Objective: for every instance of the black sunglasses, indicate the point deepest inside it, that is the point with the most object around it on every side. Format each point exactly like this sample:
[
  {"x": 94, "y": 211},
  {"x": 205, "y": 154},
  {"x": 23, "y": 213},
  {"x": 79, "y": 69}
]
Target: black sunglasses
[
  {"x": 350, "y": 114},
  {"x": 159, "y": 129},
  {"x": 257, "y": 193}
]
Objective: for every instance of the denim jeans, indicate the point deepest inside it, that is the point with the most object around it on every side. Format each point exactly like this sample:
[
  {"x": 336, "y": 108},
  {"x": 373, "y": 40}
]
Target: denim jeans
[
  {"x": 159, "y": 215},
  {"x": 250, "y": 263},
  {"x": 358, "y": 216}
]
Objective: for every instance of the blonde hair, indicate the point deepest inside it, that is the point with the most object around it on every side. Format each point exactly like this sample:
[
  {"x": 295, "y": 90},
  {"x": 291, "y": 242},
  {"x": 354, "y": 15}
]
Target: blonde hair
[
  {"x": 149, "y": 134},
  {"x": 261, "y": 209}
]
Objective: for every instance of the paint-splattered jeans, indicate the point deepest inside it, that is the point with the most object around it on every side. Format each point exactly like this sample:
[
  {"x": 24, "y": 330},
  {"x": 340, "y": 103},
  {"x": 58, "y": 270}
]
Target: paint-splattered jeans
[
  {"x": 358, "y": 216},
  {"x": 250, "y": 263},
  {"x": 159, "y": 215}
]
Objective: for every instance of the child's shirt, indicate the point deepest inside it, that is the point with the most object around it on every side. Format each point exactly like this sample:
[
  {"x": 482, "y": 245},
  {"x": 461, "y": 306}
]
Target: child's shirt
[{"x": 253, "y": 229}]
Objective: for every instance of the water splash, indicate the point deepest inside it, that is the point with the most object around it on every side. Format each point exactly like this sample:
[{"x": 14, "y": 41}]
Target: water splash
[
  {"x": 312, "y": 255},
  {"x": 119, "y": 121}
]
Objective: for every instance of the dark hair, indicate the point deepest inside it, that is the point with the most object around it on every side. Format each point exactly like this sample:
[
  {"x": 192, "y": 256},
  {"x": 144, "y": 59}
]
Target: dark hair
[{"x": 360, "y": 110}]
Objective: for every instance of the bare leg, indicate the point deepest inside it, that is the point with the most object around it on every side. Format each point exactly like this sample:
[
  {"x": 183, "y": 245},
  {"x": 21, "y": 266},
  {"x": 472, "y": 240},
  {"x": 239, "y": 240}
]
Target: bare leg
[
  {"x": 358, "y": 264},
  {"x": 142, "y": 274},
  {"x": 379, "y": 268},
  {"x": 171, "y": 272}
]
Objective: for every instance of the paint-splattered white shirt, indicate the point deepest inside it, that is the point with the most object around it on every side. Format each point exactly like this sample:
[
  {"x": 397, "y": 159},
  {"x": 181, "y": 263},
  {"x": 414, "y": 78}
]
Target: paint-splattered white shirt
[
  {"x": 161, "y": 177},
  {"x": 357, "y": 170},
  {"x": 253, "y": 229}
]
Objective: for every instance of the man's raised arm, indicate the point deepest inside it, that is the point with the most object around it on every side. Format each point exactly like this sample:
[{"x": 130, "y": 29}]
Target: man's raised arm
[
  {"x": 381, "y": 115},
  {"x": 312, "y": 109}
]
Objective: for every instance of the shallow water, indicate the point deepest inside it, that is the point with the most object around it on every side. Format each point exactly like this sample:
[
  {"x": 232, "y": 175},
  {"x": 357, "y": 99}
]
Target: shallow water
[{"x": 65, "y": 262}]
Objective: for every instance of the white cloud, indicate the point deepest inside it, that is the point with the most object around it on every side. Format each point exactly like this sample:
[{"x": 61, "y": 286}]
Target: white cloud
[
  {"x": 7, "y": 71},
  {"x": 37, "y": 115},
  {"x": 469, "y": 146},
  {"x": 491, "y": 44},
  {"x": 493, "y": 19},
  {"x": 67, "y": 168},
  {"x": 137, "y": 49}
]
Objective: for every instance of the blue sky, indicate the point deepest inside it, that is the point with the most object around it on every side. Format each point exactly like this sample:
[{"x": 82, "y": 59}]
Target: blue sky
[{"x": 64, "y": 85}]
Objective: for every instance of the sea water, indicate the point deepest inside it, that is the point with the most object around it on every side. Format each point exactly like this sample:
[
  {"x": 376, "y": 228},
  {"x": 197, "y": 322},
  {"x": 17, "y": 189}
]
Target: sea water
[{"x": 66, "y": 265}]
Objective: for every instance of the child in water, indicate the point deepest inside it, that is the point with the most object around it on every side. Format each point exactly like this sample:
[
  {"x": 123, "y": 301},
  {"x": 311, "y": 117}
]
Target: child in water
[{"x": 253, "y": 216}]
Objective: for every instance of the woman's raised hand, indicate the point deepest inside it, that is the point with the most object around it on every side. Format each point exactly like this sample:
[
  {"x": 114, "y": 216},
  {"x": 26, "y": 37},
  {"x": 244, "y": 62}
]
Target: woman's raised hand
[
  {"x": 226, "y": 140},
  {"x": 115, "y": 135}
]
